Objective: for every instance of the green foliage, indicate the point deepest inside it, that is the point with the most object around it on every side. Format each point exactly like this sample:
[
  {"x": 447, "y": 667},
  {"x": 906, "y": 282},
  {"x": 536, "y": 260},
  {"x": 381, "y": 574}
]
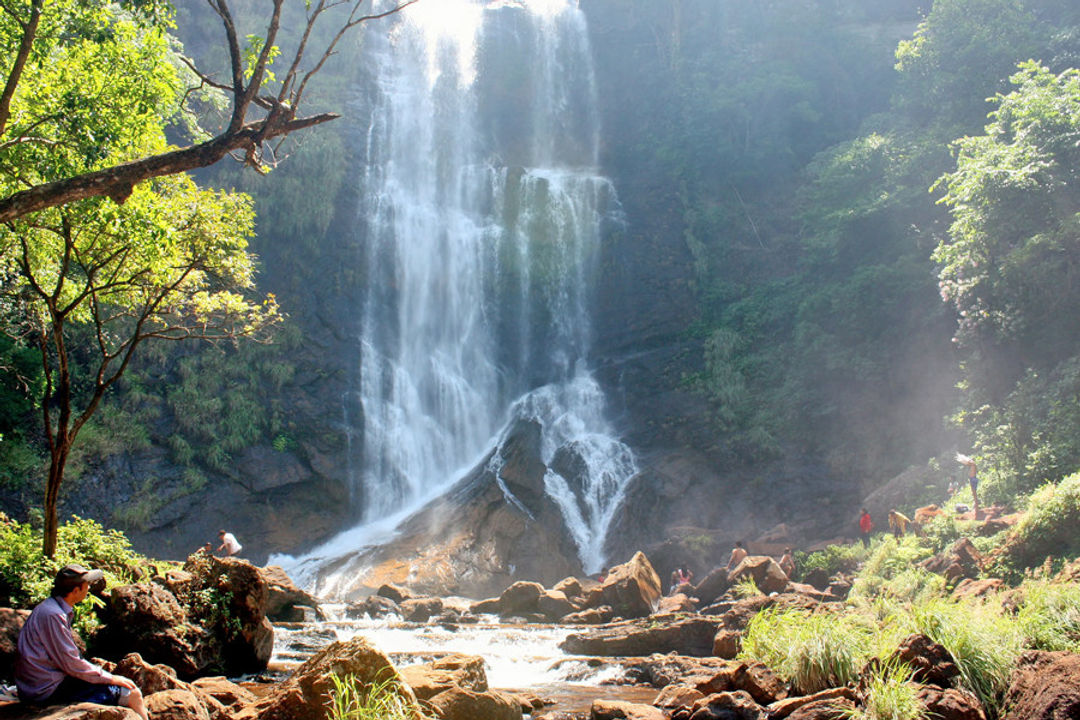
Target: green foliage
[
  {"x": 830, "y": 560},
  {"x": 982, "y": 641},
  {"x": 890, "y": 569},
  {"x": 812, "y": 651},
  {"x": 350, "y": 699},
  {"x": 1049, "y": 616},
  {"x": 26, "y": 576},
  {"x": 1047, "y": 528}
]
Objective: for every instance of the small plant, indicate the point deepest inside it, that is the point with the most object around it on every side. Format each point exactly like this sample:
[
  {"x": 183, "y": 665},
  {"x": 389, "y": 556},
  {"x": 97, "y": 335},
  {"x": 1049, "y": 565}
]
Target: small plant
[
  {"x": 830, "y": 560},
  {"x": 890, "y": 695},
  {"x": 746, "y": 588},
  {"x": 380, "y": 700}
]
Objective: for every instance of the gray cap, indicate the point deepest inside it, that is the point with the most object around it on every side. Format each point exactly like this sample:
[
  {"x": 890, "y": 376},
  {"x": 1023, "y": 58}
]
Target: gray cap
[{"x": 74, "y": 574}]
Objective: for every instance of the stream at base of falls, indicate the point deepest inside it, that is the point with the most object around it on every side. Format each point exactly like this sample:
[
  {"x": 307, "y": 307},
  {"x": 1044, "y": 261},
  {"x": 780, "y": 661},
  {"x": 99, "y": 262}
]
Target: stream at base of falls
[{"x": 517, "y": 657}]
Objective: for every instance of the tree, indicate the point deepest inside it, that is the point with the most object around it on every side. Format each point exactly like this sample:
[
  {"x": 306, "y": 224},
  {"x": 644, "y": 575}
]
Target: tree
[
  {"x": 32, "y": 31},
  {"x": 103, "y": 233}
]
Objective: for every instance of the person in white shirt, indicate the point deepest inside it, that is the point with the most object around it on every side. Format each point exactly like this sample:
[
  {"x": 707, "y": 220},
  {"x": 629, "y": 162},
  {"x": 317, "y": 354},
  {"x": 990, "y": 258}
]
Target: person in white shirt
[{"x": 229, "y": 546}]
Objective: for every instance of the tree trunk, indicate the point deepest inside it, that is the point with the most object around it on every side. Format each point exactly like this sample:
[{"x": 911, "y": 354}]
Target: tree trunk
[{"x": 58, "y": 460}]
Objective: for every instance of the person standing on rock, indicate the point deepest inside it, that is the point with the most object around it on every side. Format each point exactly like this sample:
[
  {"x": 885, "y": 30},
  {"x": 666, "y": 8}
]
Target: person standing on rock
[
  {"x": 229, "y": 546},
  {"x": 738, "y": 553},
  {"x": 866, "y": 526},
  {"x": 50, "y": 668}
]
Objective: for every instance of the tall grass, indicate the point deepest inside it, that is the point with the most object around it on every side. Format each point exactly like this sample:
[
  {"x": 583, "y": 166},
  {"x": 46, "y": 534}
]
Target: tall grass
[
  {"x": 352, "y": 700},
  {"x": 984, "y": 644},
  {"x": 890, "y": 695},
  {"x": 1050, "y": 616},
  {"x": 812, "y": 651}
]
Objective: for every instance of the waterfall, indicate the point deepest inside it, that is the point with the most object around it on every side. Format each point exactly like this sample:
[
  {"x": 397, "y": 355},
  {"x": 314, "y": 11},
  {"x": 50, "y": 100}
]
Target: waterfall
[{"x": 481, "y": 217}]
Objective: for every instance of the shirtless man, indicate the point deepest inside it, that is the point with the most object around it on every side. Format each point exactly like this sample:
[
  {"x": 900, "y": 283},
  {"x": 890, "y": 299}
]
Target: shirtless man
[{"x": 737, "y": 555}]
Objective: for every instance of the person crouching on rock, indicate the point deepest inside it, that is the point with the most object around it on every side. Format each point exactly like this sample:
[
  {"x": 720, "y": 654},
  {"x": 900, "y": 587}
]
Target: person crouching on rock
[{"x": 50, "y": 668}]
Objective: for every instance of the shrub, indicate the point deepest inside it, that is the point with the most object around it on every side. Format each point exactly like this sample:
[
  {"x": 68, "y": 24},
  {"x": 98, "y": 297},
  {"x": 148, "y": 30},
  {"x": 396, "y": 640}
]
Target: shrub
[
  {"x": 830, "y": 560},
  {"x": 1048, "y": 527},
  {"x": 891, "y": 568},
  {"x": 811, "y": 651}
]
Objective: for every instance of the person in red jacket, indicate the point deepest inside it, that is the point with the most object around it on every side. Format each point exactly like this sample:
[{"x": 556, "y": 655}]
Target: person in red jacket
[{"x": 866, "y": 525}]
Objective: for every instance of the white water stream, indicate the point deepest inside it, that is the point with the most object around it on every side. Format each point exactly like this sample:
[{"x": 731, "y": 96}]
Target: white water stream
[{"x": 480, "y": 225}]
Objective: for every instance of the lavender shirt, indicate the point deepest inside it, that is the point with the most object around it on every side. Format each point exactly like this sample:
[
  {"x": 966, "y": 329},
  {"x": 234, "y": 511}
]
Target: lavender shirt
[{"x": 47, "y": 653}]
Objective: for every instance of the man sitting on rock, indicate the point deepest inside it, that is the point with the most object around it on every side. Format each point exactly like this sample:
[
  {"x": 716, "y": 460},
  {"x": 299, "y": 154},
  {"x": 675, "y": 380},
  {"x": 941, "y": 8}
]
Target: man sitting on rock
[
  {"x": 50, "y": 668},
  {"x": 738, "y": 554}
]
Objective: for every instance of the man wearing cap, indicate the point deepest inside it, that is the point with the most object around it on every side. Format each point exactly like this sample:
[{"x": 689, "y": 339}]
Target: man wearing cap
[{"x": 50, "y": 668}]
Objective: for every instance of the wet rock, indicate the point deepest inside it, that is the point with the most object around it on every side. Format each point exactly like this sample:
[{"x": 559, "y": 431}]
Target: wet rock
[
  {"x": 553, "y": 604},
  {"x": 420, "y": 609},
  {"x": 429, "y": 679},
  {"x": 461, "y": 704},
  {"x": 373, "y": 606},
  {"x": 783, "y": 708},
  {"x": 932, "y": 663},
  {"x": 176, "y": 705},
  {"x": 952, "y": 704},
  {"x": 591, "y": 616},
  {"x": 811, "y": 592},
  {"x": 283, "y": 596},
  {"x": 490, "y": 606},
  {"x": 305, "y": 695},
  {"x": 1044, "y": 686},
  {"x": 521, "y": 597},
  {"x": 763, "y": 570},
  {"x": 658, "y": 634},
  {"x": 397, "y": 593},
  {"x": 615, "y": 710},
  {"x": 661, "y": 670},
  {"x": 633, "y": 589}
]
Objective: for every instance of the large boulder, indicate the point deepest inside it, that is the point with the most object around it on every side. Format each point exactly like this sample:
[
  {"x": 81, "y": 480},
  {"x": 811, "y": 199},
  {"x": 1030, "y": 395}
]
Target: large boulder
[
  {"x": 461, "y": 704},
  {"x": 736, "y": 705},
  {"x": 931, "y": 662},
  {"x": 712, "y": 585},
  {"x": 521, "y": 597},
  {"x": 1044, "y": 686},
  {"x": 85, "y": 711},
  {"x": 243, "y": 595},
  {"x": 763, "y": 570},
  {"x": 633, "y": 589},
  {"x": 151, "y": 619},
  {"x": 306, "y": 694},
  {"x": 176, "y": 705},
  {"x": 429, "y": 679},
  {"x": 658, "y": 634},
  {"x": 283, "y": 597},
  {"x": 783, "y": 708}
]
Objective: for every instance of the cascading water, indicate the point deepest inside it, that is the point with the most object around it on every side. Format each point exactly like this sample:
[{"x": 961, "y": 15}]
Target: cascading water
[{"x": 481, "y": 220}]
